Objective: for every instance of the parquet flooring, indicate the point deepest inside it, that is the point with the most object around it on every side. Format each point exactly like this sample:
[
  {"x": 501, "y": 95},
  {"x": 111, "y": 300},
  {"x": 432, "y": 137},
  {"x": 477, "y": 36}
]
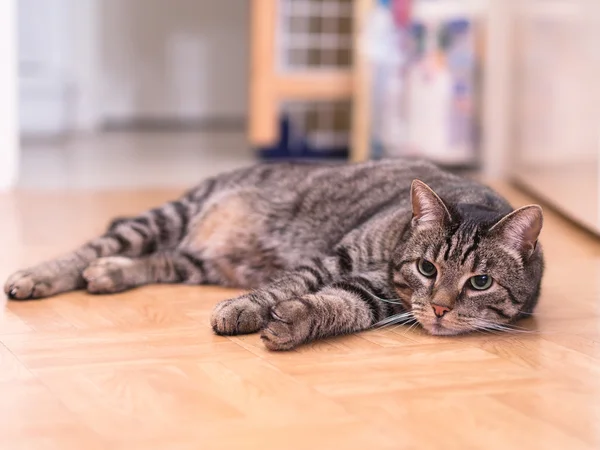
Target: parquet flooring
[{"x": 144, "y": 370}]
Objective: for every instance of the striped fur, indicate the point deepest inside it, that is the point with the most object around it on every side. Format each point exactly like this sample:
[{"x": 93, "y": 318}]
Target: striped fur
[{"x": 326, "y": 250}]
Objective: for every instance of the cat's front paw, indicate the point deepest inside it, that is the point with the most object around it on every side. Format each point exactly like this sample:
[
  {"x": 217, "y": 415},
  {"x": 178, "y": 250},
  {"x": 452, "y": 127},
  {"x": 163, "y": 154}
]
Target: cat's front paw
[
  {"x": 238, "y": 316},
  {"x": 28, "y": 284},
  {"x": 289, "y": 325}
]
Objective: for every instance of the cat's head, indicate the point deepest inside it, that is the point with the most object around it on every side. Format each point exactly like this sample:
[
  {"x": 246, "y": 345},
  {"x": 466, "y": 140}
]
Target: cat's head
[{"x": 463, "y": 268}]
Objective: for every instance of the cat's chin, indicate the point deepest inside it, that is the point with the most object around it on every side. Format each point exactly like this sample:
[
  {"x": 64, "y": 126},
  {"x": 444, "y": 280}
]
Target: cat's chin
[{"x": 438, "y": 329}]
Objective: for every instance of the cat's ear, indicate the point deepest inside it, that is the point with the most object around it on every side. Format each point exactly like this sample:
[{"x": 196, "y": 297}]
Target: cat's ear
[
  {"x": 521, "y": 228},
  {"x": 427, "y": 208}
]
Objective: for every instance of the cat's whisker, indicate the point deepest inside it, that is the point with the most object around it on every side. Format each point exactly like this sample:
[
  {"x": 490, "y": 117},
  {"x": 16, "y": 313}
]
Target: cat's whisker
[
  {"x": 489, "y": 331},
  {"x": 397, "y": 316},
  {"x": 517, "y": 327},
  {"x": 482, "y": 325},
  {"x": 411, "y": 327},
  {"x": 504, "y": 327},
  {"x": 397, "y": 326},
  {"x": 389, "y": 301},
  {"x": 514, "y": 330},
  {"x": 394, "y": 319},
  {"x": 404, "y": 324},
  {"x": 499, "y": 324},
  {"x": 395, "y": 301},
  {"x": 539, "y": 314}
]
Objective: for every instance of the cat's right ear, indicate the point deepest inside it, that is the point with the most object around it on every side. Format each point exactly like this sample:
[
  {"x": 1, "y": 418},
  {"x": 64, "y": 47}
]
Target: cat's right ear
[
  {"x": 427, "y": 208},
  {"x": 521, "y": 228}
]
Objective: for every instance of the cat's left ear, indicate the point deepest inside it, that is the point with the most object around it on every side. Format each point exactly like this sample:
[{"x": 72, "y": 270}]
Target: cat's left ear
[{"x": 521, "y": 228}]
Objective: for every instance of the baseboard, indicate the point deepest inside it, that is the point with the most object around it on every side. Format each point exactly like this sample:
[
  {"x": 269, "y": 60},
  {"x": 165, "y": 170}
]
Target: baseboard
[{"x": 162, "y": 124}]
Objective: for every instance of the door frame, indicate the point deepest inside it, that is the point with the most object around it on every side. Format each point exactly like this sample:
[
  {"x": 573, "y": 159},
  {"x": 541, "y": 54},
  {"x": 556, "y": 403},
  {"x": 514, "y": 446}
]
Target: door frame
[{"x": 9, "y": 130}]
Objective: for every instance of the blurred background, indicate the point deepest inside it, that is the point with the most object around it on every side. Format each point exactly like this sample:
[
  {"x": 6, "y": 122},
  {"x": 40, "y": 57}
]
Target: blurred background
[{"x": 106, "y": 94}]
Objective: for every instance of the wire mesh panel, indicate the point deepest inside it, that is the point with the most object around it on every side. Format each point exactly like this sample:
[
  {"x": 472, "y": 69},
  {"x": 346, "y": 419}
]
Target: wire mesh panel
[
  {"x": 321, "y": 124},
  {"x": 315, "y": 34}
]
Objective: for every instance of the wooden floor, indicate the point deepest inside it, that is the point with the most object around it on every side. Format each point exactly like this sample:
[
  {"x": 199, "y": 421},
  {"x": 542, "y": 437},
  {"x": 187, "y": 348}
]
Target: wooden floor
[{"x": 143, "y": 369}]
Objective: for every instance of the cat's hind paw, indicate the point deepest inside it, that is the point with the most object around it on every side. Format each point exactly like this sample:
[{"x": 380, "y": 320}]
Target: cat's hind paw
[
  {"x": 38, "y": 282},
  {"x": 25, "y": 285},
  {"x": 109, "y": 275}
]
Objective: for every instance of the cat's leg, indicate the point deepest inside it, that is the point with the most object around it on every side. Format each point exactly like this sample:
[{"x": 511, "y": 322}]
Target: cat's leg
[
  {"x": 248, "y": 313},
  {"x": 162, "y": 227},
  {"x": 119, "y": 273},
  {"x": 344, "y": 307}
]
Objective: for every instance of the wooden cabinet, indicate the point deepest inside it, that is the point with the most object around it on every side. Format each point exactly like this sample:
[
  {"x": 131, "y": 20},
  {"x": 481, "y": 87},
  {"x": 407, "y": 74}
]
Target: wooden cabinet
[{"x": 274, "y": 82}]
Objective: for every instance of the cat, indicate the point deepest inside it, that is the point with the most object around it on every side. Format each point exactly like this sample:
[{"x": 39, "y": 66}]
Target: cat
[{"x": 325, "y": 249}]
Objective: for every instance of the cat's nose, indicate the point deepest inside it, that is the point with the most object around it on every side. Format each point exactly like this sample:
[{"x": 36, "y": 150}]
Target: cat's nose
[{"x": 440, "y": 310}]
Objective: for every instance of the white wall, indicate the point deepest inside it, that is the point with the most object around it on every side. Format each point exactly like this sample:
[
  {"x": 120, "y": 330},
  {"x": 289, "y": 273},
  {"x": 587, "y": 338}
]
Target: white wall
[
  {"x": 84, "y": 64},
  {"x": 85, "y": 61},
  {"x": 43, "y": 39},
  {"x": 9, "y": 150},
  {"x": 177, "y": 58}
]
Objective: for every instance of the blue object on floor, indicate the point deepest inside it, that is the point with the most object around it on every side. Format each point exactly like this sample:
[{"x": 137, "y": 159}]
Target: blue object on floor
[{"x": 290, "y": 146}]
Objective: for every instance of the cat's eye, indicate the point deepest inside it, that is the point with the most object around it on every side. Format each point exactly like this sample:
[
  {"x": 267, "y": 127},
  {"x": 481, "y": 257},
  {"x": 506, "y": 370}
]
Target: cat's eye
[
  {"x": 481, "y": 282},
  {"x": 427, "y": 268}
]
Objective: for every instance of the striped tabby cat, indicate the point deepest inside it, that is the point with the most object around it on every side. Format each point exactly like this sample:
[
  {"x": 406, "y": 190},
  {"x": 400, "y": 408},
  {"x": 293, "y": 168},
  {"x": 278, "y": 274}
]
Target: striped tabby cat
[{"x": 326, "y": 250}]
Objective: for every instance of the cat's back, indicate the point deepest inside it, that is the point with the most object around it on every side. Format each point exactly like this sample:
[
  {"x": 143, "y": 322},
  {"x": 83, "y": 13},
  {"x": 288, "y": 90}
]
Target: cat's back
[
  {"x": 398, "y": 172},
  {"x": 368, "y": 183}
]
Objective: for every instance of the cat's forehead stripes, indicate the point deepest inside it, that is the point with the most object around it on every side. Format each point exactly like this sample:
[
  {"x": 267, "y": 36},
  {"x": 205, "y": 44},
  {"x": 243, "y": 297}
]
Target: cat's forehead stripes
[
  {"x": 471, "y": 248},
  {"x": 460, "y": 243}
]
